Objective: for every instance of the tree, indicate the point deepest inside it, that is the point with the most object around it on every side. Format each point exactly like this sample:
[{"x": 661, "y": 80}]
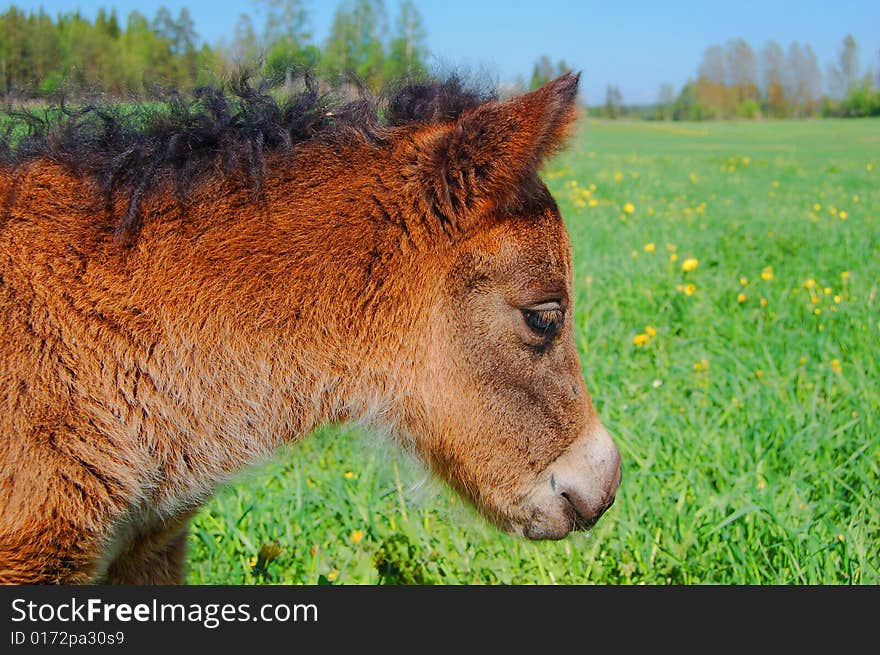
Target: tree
[
  {"x": 712, "y": 66},
  {"x": 613, "y": 102},
  {"x": 163, "y": 54},
  {"x": 407, "y": 52},
  {"x": 285, "y": 38},
  {"x": 803, "y": 79},
  {"x": 184, "y": 46},
  {"x": 107, "y": 24},
  {"x": 711, "y": 90},
  {"x": 185, "y": 36},
  {"x": 163, "y": 24},
  {"x": 863, "y": 100},
  {"x": 285, "y": 19},
  {"x": 665, "y": 102},
  {"x": 46, "y": 51},
  {"x": 545, "y": 70},
  {"x": 286, "y": 58},
  {"x": 686, "y": 107},
  {"x": 355, "y": 45},
  {"x": 772, "y": 77},
  {"x": 244, "y": 41},
  {"x": 542, "y": 72},
  {"x": 741, "y": 71},
  {"x": 139, "y": 43},
  {"x": 843, "y": 75}
]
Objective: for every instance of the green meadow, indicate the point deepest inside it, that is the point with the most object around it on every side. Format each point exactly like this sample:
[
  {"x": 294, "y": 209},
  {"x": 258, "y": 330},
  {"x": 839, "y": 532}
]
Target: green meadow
[{"x": 726, "y": 311}]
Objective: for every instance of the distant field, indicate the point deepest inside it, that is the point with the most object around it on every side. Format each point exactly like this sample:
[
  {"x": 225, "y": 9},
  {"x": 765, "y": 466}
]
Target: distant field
[{"x": 744, "y": 394}]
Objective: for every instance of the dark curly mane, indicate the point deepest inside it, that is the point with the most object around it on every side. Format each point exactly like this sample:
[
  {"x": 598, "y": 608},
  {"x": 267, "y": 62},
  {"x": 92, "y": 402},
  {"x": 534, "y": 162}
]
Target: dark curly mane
[{"x": 217, "y": 130}]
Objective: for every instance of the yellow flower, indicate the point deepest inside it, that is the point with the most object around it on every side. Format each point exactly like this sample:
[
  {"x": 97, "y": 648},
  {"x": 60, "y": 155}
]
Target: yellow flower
[
  {"x": 741, "y": 298},
  {"x": 744, "y": 281},
  {"x": 761, "y": 484},
  {"x": 817, "y": 311},
  {"x": 842, "y": 215},
  {"x": 835, "y": 365},
  {"x": 641, "y": 339},
  {"x": 759, "y": 374},
  {"x": 767, "y": 273},
  {"x": 689, "y": 289},
  {"x": 817, "y": 207},
  {"x": 763, "y": 302},
  {"x": 650, "y": 331},
  {"x": 689, "y": 264},
  {"x": 809, "y": 284},
  {"x": 649, "y": 247},
  {"x": 673, "y": 257},
  {"x": 333, "y": 575},
  {"x": 837, "y": 299},
  {"x": 593, "y": 202},
  {"x": 629, "y": 208},
  {"x": 844, "y": 275},
  {"x": 356, "y": 536},
  {"x": 349, "y": 475}
]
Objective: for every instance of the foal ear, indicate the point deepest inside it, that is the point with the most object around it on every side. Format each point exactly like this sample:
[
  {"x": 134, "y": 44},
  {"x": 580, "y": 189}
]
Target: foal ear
[{"x": 479, "y": 161}]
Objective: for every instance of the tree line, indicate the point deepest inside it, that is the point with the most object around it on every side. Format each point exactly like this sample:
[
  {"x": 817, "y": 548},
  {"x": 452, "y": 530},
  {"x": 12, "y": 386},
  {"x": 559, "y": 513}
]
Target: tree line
[
  {"x": 735, "y": 81},
  {"x": 41, "y": 54}
]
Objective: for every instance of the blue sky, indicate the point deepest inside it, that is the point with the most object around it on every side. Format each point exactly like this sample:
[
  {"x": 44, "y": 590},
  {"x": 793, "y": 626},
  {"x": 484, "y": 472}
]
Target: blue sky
[{"x": 634, "y": 44}]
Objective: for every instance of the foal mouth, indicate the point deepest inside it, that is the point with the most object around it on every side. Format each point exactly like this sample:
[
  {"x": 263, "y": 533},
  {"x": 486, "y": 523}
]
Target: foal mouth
[{"x": 572, "y": 497}]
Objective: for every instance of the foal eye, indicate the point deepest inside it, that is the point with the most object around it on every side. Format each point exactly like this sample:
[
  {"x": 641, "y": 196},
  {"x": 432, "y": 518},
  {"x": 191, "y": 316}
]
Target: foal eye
[{"x": 544, "y": 320}]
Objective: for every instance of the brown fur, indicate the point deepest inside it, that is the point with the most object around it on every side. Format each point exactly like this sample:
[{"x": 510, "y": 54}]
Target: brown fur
[{"x": 365, "y": 282}]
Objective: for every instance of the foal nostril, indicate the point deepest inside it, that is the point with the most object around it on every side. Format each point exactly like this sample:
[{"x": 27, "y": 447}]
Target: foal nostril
[
  {"x": 585, "y": 513},
  {"x": 587, "y": 504}
]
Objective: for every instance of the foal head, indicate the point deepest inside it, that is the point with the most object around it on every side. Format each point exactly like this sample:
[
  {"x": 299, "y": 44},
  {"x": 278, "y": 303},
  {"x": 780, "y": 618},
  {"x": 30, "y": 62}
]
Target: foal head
[{"x": 503, "y": 413}]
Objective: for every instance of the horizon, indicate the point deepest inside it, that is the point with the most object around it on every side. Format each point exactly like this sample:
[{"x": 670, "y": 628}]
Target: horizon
[{"x": 607, "y": 45}]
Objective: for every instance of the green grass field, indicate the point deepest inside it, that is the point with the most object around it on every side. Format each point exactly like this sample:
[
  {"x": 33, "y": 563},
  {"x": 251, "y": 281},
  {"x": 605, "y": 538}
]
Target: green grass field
[{"x": 744, "y": 393}]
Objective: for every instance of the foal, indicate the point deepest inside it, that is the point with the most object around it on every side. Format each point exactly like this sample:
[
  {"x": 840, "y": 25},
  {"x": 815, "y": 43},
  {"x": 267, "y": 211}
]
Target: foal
[{"x": 180, "y": 298}]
